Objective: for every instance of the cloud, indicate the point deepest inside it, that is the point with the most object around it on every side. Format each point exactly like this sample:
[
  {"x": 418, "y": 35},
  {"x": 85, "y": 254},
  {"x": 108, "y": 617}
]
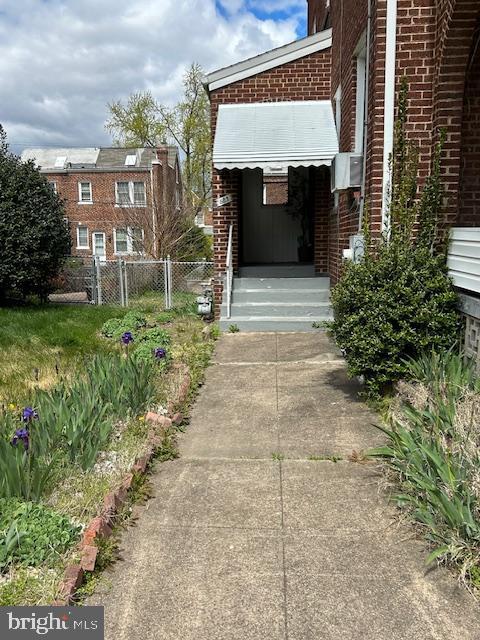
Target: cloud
[{"x": 62, "y": 61}]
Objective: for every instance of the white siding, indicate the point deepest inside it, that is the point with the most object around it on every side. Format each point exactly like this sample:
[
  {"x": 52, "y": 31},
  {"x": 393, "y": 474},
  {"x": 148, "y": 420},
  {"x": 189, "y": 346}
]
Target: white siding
[{"x": 464, "y": 258}]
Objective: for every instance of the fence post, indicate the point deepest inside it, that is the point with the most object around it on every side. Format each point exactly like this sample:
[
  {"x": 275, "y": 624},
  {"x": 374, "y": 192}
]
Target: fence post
[
  {"x": 98, "y": 273},
  {"x": 120, "y": 282},
  {"x": 169, "y": 279},
  {"x": 125, "y": 282},
  {"x": 165, "y": 282}
]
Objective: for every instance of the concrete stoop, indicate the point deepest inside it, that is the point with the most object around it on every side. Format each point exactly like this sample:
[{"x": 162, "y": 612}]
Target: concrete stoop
[{"x": 284, "y": 303}]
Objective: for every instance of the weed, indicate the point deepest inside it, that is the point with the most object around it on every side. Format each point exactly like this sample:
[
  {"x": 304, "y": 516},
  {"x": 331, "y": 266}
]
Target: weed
[
  {"x": 234, "y": 328},
  {"x": 278, "y": 456}
]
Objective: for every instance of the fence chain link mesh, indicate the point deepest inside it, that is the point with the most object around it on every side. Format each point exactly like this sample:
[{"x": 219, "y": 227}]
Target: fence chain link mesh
[{"x": 165, "y": 283}]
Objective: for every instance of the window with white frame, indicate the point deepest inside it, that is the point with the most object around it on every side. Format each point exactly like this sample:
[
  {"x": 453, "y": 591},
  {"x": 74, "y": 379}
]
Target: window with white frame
[
  {"x": 128, "y": 194},
  {"x": 85, "y": 192},
  {"x": 128, "y": 240},
  {"x": 82, "y": 237},
  {"x": 53, "y": 186}
]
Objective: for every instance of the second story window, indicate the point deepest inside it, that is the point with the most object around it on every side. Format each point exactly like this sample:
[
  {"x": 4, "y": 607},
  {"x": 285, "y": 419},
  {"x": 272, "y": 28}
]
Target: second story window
[
  {"x": 130, "y": 194},
  {"x": 85, "y": 193}
]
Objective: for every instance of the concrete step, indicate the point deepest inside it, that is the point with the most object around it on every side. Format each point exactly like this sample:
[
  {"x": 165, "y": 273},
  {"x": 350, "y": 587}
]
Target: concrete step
[
  {"x": 283, "y": 284},
  {"x": 269, "y": 324},
  {"x": 278, "y": 271},
  {"x": 281, "y": 295},
  {"x": 314, "y": 310}
]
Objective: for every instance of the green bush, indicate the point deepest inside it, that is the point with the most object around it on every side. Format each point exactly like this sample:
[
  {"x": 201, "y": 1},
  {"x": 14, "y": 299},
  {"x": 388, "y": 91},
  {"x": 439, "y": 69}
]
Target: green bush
[
  {"x": 399, "y": 300},
  {"x": 35, "y": 236},
  {"x": 41, "y": 535},
  {"x": 390, "y": 308}
]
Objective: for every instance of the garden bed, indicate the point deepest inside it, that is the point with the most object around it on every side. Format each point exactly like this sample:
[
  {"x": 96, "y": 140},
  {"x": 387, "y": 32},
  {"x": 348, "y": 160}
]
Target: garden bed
[{"x": 89, "y": 436}]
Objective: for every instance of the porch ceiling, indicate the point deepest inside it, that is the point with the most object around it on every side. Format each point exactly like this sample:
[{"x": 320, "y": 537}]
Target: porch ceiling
[{"x": 275, "y": 135}]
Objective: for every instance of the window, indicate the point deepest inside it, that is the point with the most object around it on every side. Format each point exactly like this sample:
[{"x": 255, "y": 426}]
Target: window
[
  {"x": 131, "y": 160},
  {"x": 85, "y": 192},
  {"x": 128, "y": 240},
  {"x": 123, "y": 194},
  {"x": 121, "y": 241},
  {"x": 82, "y": 237},
  {"x": 53, "y": 186},
  {"x": 139, "y": 198},
  {"x": 130, "y": 194}
]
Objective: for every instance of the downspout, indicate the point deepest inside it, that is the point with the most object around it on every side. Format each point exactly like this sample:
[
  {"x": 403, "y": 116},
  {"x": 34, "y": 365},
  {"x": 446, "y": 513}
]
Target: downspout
[
  {"x": 154, "y": 210},
  {"x": 365, "y": 116},
  {"x": 389, "y": 109}
]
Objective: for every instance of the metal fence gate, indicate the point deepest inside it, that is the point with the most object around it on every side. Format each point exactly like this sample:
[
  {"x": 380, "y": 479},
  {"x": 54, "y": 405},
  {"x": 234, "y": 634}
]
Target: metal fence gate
[{"x": 166, "y": 283}]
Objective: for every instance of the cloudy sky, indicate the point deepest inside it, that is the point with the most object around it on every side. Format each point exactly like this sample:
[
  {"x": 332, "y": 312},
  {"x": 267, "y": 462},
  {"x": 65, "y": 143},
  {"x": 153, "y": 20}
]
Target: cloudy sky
[{"x": 62, "y": 61}]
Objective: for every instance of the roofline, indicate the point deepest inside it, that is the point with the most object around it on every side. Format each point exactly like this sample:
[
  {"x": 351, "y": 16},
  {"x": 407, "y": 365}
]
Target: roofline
[
  {"x": 52, "y": 171},
  {"x": 268, "y": 60}
]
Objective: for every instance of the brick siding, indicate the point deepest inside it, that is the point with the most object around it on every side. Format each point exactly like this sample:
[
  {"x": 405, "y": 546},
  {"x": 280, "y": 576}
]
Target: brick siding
[{"x": 102, "y": 215}]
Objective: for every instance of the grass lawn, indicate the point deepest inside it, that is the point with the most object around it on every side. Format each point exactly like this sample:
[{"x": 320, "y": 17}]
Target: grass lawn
[{"x": 39, "y": 342}]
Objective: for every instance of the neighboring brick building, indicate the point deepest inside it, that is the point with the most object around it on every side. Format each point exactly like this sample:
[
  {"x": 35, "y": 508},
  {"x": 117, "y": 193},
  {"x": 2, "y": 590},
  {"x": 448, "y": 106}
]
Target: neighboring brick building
[{"x": 115, "y": 198}]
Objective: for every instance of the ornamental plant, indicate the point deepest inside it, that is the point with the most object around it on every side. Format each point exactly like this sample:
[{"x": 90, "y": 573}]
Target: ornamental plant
[
  {"x": 399, "y": 300},
  {"x": 25, "y": 459}
]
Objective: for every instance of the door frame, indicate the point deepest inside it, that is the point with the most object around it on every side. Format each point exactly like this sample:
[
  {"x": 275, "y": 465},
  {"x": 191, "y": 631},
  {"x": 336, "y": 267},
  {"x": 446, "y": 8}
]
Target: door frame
[{"x": 103, "y": 256}]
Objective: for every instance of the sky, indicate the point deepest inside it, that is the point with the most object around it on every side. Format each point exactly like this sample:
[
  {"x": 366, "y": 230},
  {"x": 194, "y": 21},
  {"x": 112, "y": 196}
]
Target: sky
[{"x": 63, "y": 61}]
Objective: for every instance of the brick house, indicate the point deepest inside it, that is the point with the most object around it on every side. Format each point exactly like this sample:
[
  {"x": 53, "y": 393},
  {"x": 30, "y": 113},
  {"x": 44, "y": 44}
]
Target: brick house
[
  {"x": 114, "y": 197},
  {"x": 348, "y": 68}
]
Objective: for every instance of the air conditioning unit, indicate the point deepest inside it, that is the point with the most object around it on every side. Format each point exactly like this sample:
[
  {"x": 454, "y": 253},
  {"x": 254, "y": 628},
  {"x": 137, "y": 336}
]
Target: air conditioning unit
[{"x": 346, "y": 171}]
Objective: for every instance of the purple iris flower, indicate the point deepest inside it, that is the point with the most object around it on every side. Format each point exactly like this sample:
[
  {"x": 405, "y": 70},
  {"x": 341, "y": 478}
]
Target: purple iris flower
[
  {"x": 21, "y": 435},
  {"x": 29, "y": 414},
  {"x": 159, "y": 353},
  {"x": 127, "y": 338}
]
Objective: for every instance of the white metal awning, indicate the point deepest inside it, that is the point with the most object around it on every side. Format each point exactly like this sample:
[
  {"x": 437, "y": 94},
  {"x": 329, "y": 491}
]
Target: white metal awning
[{"x": 275, "y": 135}]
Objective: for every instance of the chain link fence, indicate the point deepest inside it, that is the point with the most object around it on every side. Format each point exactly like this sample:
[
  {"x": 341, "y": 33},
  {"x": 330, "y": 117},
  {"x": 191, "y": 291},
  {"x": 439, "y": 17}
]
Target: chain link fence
[{"x": 167, "y": 283}]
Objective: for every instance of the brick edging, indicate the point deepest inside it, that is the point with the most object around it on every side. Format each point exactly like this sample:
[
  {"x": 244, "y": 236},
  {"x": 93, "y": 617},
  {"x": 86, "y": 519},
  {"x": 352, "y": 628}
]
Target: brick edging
[{"x": 102, "y": 525}]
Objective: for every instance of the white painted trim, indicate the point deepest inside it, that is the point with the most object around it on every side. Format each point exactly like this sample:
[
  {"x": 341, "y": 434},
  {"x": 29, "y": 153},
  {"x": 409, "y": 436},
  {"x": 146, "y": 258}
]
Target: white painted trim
[
  {"x": 338, "y": 111},
  {"x": 80, "y": 201},
  {"x": 82, "y": 246},
  {"x": 129, "y": 250},
  {"x": 389, "y": 108},
  {"x": 269, "y": 60},
  {"x": 104, "y": 255},
  {"x": 131, "y": 194}
]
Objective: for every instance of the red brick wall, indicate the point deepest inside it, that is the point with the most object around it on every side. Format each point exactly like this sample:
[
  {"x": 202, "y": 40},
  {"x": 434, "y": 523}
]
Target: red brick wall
[
  {"x": 103, "y": 215},
  {"x": 456, "y": 22},
  {"x": 469, "y": 195},
  {"x": 276, "y": 189},
  {"x": 304, "y": 79},
  {"x": 317, "y": 15},
  {"x": 321, "y": 208}
]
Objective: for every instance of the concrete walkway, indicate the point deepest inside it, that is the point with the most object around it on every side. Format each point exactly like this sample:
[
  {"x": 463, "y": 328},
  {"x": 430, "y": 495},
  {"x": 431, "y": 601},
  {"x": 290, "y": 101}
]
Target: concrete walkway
[{"x": 249, "y": 538}]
